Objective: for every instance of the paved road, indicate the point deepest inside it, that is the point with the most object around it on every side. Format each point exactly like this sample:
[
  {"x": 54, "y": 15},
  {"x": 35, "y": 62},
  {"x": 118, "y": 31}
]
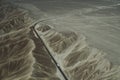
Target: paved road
[{"x": 98, "y": 20}]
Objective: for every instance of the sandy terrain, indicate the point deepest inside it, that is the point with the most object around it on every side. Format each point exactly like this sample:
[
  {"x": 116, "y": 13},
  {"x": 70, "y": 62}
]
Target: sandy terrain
[
  {"x": 97, "y": 20},
  {"x": 69, "y": 53}
]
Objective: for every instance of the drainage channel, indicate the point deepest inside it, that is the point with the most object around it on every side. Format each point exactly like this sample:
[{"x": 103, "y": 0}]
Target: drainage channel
[{"x": 55, "y": 62}]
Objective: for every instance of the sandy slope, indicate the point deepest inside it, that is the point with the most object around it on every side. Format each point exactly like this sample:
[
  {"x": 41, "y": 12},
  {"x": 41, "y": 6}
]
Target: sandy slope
[{"x": 97, "y": 20}]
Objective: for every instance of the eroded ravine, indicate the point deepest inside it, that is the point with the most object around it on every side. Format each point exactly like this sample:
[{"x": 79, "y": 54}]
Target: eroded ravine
[
  {"x": 78, "y": 60},
  {"x": 24, "y": 57}
]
